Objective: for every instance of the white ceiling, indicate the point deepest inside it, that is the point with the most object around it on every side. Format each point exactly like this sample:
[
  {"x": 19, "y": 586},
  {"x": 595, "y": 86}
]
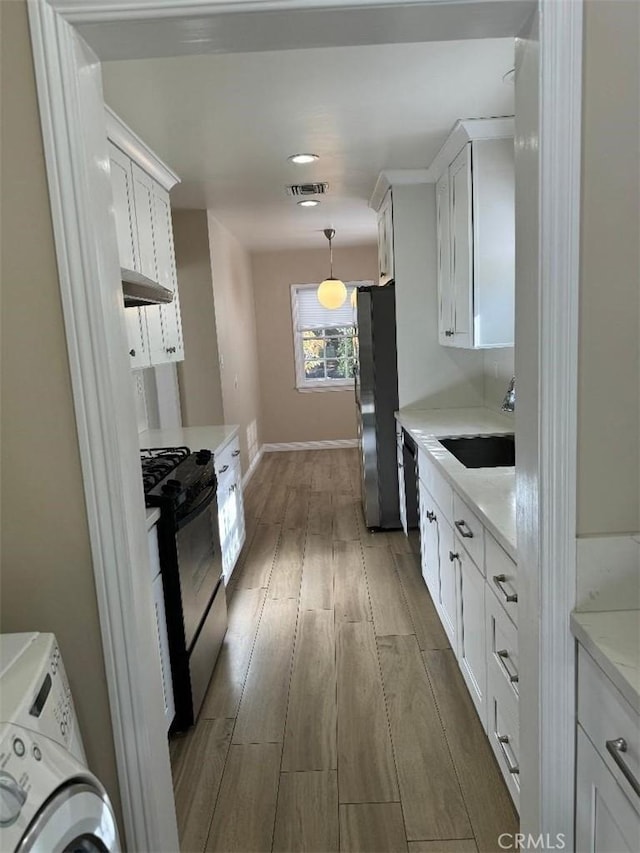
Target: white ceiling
[{"x": 226, "y": 123}]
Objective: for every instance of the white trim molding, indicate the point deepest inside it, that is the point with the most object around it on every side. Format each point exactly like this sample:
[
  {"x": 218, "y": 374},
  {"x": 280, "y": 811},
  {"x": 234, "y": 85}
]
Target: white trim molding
[
  {"x": 467, "y": 130},
  {"x": 74, "y": 135},
  {"x": 251, "y": 470},
  {"x": 396, "y": 177},
  {"x": 330, "y": 444},
  {"x": 130, "y": 143},
  {"x": 559, "y": 257},
  {"x": 69, "y": 85}
]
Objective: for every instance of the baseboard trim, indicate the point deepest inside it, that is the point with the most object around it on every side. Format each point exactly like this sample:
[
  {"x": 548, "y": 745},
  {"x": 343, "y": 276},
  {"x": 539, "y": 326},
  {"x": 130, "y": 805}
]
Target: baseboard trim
[
  {"x": 334, "y": 444},
  {"x": 251, "y": 470}
]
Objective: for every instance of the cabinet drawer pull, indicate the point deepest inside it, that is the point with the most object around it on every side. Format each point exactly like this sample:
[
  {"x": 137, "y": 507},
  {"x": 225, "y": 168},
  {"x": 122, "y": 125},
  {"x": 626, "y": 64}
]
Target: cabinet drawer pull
[
  {"x": 236, "y": 453},
  {"x": 498, "y": 581},
  {"x": 453, "y": 556},
  {"x": 466, "y": 534},
  {"x": 223, "y": 469},
  {"x": 448, "y": 333},
  {"x": 503, "y": 740},
  {"x": 431, "y": 516},
  {"x": 132, "y": 353},
  {"x": 615, "y": 748},
  {"x": 503, "y": 654}
]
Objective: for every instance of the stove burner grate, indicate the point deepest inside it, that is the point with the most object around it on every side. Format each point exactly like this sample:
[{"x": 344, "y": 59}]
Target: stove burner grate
[{"x": 159, "y": 462}]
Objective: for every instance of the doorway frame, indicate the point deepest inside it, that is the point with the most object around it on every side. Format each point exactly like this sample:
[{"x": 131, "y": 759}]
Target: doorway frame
[{"x": 69, "y": 88}]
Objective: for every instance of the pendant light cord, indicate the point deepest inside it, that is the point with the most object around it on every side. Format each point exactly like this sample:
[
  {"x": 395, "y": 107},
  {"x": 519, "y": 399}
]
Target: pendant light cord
[{"x": 329, "y": 234}]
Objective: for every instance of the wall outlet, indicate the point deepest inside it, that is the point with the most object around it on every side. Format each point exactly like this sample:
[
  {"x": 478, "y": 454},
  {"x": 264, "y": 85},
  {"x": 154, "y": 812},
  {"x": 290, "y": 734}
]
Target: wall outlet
[
  {"x": 496, "y": 371},
  {"x": 235, "y": 381}
]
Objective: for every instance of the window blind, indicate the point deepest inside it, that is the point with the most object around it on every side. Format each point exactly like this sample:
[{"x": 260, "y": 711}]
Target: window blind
[{"x": 312, "y": 315}]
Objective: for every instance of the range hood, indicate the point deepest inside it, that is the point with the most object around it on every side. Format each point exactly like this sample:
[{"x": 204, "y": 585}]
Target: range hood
[{"x": 139, "y": 290}]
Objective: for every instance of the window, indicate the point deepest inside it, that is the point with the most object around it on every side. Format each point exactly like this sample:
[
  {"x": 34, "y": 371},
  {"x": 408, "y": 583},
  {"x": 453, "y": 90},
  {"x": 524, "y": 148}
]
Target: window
[{"x": 324, "y": 340}]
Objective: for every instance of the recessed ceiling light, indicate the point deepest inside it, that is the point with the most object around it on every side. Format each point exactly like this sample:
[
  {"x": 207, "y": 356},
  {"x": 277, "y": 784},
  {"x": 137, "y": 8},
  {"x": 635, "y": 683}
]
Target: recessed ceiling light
[
  {"x": 309, "y": 202},
  {"x": 303, "y": 158}
]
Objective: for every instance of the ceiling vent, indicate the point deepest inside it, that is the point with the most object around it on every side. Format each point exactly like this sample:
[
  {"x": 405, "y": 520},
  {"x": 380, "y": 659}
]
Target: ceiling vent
[{"x": 307, "y": 189}]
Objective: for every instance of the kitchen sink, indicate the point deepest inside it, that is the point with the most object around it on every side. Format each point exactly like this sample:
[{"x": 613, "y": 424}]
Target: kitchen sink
[{"x": 483, "y": 451}]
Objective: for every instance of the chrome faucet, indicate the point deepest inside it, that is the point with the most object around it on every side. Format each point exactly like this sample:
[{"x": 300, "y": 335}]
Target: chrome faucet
[{"x": 509, "y": 402}]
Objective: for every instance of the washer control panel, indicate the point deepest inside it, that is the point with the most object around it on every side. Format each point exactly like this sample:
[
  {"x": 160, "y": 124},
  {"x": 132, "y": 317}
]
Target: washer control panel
[{"x": 43, "y": 701}]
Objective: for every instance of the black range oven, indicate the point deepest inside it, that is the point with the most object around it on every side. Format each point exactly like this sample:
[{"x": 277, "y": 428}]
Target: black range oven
[{"x": 183, "y": 485}]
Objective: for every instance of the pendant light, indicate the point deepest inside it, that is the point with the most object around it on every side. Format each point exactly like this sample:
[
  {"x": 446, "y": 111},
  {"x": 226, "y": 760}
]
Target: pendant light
[{"x": 331, "y": 292}]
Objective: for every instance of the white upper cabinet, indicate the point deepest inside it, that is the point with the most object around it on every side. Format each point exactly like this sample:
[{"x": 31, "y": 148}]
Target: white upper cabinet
[
  {"x": 124, "y": 211},
  {"x": 386, "y": 266},
  {"x": 141, "y": 186},
  {"x": 166, "y": 267},
  {"x": 476, "y": 235}
]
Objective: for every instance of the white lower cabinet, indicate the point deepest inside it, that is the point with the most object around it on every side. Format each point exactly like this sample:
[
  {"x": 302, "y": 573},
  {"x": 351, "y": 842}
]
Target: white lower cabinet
[
  {"x": 430, "y": 543},
  {"x": 503, "y": 729},
  {"x": 608, "y": 764},
  {"x": 161, "y": 627},
  {"x": 473, "y": 584},
  {"x": 606, "y": 819},
  {"x": 231, "y": 522},
  {"x": 471, "y": 641}
]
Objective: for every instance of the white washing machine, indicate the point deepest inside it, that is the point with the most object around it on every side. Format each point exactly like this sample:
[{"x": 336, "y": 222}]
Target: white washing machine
[{"x": 49, "y": 800}]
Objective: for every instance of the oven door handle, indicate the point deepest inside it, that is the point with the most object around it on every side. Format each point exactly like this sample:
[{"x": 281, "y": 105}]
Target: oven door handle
[{"x": 199, "y": 508}]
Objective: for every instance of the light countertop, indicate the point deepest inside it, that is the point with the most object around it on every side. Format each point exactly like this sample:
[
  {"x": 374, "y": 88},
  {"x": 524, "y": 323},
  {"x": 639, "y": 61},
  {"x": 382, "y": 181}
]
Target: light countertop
[
  {"x": 213, "y": 438},
  {"x": 612, "y": 638},
  {"x": 490, "y": 491}
]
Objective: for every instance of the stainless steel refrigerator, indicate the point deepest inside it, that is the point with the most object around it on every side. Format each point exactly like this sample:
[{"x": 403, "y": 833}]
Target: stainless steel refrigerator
[{"x": 376, "y": 387}]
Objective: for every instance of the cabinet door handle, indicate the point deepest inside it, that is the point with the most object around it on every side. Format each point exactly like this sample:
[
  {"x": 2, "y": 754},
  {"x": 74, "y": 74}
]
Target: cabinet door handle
[
  {"x": 132, "y": 353},
  {"x": 448, "y": 333},
  {"x": 223, "y": 469},
  {"x": 498, "y": 581},
  {"x": 400, "y": 465},
  {"x": 615, "y": 748},
  {"x": 466, "y": 534},
  {"x": 170, "y": 349},
  {"x": 236, "y": 453},
  {"x": 431, "y": 516},
  {"x": 503, "y": 740},
  {"x": 503, "y": 654},
  {"x": 453, "y": 556}
]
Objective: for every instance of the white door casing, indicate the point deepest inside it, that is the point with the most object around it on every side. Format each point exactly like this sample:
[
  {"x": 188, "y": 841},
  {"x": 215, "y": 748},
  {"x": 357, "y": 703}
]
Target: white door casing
[{"x": 72, "y": 117}]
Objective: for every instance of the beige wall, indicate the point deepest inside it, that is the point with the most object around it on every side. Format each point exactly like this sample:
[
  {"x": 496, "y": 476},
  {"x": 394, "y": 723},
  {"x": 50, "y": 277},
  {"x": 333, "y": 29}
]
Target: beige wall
[
  {"x": 47, "y": 575},
  {"x": 429, "y": 375},
  {"x": 609, "y": 371},
  {"x": 199, "y": 373},
  {"x": 288, "y": 414},
  {"x": 236, "y": 331}
]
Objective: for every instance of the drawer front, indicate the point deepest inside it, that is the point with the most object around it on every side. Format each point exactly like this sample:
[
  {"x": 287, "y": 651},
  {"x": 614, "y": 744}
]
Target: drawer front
[
  {"x": 504, "y": 735},
  {"x": 606, "y": 716},
  {"x": 502, "y": 576},
  {"x": 436, "y": 484},
  {"x": 225, "y": 459},
  {"x": 606, "y": 820},
  {"x": 502, "y": 645},
  {"x": 469, "y": 530}
]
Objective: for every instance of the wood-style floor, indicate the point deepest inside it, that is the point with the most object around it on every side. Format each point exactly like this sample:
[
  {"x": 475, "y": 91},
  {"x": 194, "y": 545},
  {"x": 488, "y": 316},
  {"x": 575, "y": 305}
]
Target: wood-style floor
[{"x": 336, "y": 718}]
